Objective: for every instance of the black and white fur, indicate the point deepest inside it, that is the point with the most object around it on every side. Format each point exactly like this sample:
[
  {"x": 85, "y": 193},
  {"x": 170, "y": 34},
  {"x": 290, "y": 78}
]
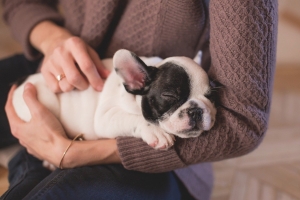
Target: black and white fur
[{"x": 148, "y": 98}]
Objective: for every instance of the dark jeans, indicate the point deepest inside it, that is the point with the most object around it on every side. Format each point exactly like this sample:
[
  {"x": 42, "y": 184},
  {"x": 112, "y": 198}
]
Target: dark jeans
[{"x": 30, "y": 180}]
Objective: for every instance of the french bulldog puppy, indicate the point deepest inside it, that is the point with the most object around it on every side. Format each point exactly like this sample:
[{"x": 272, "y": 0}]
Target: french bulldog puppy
[{"x": 147, "y": 98}]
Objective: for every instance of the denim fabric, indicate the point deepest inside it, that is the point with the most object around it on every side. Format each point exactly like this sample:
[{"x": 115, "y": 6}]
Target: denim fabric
[
  {"x": 25, "y": 172},
  {"x": 27, "y": 175}
]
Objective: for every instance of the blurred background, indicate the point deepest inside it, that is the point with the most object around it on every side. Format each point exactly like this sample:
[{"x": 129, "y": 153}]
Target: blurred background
[{"x": 272, "y": 171}]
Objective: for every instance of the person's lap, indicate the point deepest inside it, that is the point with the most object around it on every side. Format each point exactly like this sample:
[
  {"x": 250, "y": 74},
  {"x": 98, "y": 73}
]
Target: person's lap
[
  {"x": 25, "y": 172},
  {"x": 30, "y": 180}
]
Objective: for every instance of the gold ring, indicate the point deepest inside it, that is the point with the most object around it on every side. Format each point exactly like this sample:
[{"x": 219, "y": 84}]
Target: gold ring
[{"x": 60, "y": 77}]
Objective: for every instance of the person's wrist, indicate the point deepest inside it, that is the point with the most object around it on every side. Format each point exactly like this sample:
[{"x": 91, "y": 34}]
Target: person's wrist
[
  {"x": 49, "y": 44},
  {"x": 115, "y": 155},
  {"x": 46, "y": 36},
  {"x": 60, "y": 147},
  {"x": 84, "y": 153},
  {"x": 79, "y": 137}
]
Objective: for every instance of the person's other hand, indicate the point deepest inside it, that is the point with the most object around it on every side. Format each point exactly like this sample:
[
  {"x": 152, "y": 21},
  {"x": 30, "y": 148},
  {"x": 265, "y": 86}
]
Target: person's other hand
[
  {"x": 43, "y": 136},
  {"x": 77, "y": 61},
  {"x": 69, "y": 56}
]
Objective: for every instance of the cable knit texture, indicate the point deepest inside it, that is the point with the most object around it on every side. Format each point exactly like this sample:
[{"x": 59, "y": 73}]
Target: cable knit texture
[
  {"x": 243, "y": 38},
  {"x": 22, "y": 16},
  {"x": 242, "y": 46}
]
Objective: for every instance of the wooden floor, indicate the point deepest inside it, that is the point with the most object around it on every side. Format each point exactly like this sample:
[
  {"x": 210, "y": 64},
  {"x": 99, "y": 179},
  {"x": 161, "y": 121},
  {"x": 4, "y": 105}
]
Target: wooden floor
[{"x": 272, "y": 171}]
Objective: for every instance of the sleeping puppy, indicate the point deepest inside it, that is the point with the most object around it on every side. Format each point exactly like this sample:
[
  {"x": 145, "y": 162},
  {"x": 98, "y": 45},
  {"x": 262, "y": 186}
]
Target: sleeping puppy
[{"x": 148, "y": 98}]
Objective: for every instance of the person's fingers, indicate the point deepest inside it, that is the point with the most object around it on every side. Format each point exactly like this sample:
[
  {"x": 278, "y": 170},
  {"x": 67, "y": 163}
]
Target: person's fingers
[
  {"x": 65, "y": 86},
  {"x": 73, "y": 75},
  {"x": 86, "y": 65},
  {"x": 48, "y": 70},
  {"x": 31, "y": 100},
  {"x": 9, "y": 108},
  {"x": 52, "y": 82},
  {"x": 13, "y": 118},
  {"x": 99, "y": 65},
  {"x": 78, "y": 62},
  {"x": 64, "y": 83}
]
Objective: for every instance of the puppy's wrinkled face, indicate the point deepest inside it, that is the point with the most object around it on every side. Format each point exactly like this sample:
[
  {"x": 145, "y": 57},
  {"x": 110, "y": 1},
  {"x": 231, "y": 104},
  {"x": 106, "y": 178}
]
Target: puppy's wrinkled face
[
  {"x": 174, "y": 93},
  {"x": 169, "y": 90},
  {"x": 177, "y": 98}
]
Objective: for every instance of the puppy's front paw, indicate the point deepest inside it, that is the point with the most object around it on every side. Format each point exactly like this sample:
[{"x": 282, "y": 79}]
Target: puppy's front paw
[{"x": 156, "y": 137}]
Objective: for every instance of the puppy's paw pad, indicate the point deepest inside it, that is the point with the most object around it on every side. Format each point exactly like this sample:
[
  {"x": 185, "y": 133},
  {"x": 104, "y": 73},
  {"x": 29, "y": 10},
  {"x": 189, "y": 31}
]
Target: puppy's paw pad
[
  {"x": 164, "y": 147},
  {"x": 171, "y": 139},
  {"x": 156, "y": 137},
  {"x": 165, "y": 141},
  {"x": 150, "y": 139},
  {"x": 153, "y": 144}
]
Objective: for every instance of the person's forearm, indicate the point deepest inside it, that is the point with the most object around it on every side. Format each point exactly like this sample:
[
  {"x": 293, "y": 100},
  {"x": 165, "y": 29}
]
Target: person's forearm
[
  {"x": 243, "y": 47},
  {"x": 83, "y": 153},
  {"x": 46, "y": 35}
]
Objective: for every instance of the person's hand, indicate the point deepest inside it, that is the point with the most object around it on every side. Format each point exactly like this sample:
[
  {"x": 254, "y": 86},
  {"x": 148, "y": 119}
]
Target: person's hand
[
  {"x": 67, "y": 56},
  {"x": 44, "y": 136},
  {"x": 76, "y": 60}
]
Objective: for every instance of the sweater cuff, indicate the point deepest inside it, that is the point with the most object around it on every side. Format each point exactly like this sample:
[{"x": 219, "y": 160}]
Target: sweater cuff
[
  {"x": 24, "y": 20},
  {"x": 137, "y": 155}
]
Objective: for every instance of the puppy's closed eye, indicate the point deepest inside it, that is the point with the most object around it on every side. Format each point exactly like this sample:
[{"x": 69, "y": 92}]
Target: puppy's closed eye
[{"x": 168, "y": 96}]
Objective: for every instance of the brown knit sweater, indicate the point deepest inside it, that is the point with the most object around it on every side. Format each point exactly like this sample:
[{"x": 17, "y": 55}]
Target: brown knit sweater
[{"x": 242, "y": 50}]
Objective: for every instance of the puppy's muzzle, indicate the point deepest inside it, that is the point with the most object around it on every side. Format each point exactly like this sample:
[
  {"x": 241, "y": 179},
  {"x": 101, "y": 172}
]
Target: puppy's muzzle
[{"x": 195, "y": 114}]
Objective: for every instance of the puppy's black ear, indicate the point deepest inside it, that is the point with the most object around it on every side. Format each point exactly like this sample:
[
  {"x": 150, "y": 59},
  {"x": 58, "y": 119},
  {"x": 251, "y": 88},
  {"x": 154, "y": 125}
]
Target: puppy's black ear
[
  {"x": 136, "y": 75},
  {"x": 213, "y": 94}
]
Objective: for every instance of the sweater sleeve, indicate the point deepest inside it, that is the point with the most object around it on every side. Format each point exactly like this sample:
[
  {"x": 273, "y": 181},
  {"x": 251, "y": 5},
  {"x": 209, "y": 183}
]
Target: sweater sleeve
[
  {"x": 243, "y": 38},
  {"x": 22, "y": 15}
]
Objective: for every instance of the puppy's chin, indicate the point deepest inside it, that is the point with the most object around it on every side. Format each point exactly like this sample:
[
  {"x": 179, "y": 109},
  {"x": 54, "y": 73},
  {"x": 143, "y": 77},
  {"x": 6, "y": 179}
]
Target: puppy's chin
[
  {"x": 189, "y": 134},
  {"x": 181, "y": 128}
]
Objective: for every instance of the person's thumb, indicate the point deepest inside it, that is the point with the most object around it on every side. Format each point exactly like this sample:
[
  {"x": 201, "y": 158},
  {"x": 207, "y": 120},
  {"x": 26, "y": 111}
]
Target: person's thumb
[{"x": 31, "y": 100}]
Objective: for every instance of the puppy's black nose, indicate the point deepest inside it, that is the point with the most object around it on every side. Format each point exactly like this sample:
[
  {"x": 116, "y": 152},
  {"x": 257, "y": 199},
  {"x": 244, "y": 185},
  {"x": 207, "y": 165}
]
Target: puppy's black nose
[{"x": 195, "y": 113}]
